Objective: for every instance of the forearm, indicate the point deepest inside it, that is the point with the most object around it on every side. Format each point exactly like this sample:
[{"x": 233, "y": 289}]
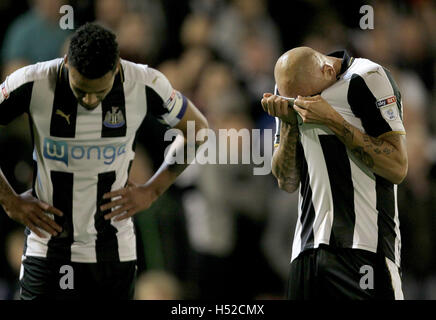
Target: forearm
[
  {"x": 379, "y": 155},
  {"x": 171, "y": 168},
  {"x": 286, "y": 160},
  {"x": 7, "y": 193},
  {"x": 165, "y": 177}
]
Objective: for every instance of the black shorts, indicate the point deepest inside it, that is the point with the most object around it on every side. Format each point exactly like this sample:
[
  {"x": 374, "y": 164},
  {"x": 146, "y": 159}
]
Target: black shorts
[
  {"x": 46, "y": 279},
  {"x": 343, "y": 274}
]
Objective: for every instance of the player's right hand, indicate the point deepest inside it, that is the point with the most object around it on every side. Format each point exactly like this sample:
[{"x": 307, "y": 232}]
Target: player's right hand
[
  {"x": 278, "y": 107},
  {"x": 31, "y": 212}
]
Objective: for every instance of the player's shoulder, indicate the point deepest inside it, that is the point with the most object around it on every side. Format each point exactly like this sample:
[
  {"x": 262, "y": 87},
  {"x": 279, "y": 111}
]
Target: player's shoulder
[
  {"x": 34, "y": 72},
  {"x": 140, "y": 73},
  {"x": 365, "y": 68}
]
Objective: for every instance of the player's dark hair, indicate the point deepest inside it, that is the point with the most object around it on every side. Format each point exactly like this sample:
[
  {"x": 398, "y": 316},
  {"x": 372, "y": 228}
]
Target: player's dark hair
[{"x": 93, "y": 51}]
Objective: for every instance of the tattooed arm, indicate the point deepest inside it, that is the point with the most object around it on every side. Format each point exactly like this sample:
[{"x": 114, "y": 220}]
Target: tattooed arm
[
  {"x": 286, "y": 159},
  {"x": 385, "y": 155}
]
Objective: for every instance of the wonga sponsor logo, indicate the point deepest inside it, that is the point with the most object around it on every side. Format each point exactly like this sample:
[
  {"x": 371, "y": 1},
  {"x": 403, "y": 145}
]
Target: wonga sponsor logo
[
  {"x": 56, "y": 150},
  {"x": 60, "y": 151}
]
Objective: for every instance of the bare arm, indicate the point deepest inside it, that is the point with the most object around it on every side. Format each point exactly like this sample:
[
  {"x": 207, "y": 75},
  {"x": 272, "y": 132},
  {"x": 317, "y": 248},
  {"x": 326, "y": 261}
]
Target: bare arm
[
  {"x": 168, "y": 173},
  {"x": 27, "y": 210},
  {"x": 7, "y": 194},
  {"x": 385, "y": 155},
  {"x": 135, "y": 198},
  {"x": 24, "y": 208},
  {"x": 286, "y": 159}
]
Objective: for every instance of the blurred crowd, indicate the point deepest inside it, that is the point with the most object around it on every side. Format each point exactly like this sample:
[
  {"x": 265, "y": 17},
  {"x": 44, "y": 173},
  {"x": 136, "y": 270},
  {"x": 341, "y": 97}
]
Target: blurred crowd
[{"x": 220, "y": 231}]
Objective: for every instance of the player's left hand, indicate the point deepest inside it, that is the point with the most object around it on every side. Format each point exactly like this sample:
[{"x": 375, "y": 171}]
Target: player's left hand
[
  {"x": 130, "y": 200},
  {"x": 314, "y": 109}
]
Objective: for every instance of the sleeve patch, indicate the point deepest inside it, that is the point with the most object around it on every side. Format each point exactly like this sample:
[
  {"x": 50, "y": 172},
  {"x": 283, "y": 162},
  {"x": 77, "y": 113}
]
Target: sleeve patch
[
  {"x": 386, "y": 101},
  {"x": 5, "y": 92},
  {"x": 390, "y": 113},
  {"x": 176, "y": 107},
  {"x": 170, "y": 99},
  {"x": 388, "y": 108}
]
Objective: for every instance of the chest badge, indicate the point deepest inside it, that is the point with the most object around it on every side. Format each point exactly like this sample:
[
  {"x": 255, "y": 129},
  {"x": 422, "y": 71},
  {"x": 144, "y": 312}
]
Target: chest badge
[{"x": 114, "y": 118}]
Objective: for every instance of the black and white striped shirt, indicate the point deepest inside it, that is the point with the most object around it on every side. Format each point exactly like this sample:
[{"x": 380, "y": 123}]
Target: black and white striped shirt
[
  {"x": 79, "y": 155},
  {"x": 341, "y": 202}
]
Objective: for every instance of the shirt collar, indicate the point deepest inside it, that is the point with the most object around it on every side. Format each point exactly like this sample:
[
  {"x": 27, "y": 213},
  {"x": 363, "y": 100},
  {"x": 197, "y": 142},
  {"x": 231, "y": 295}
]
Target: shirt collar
[{"x": 346, "y": 60}]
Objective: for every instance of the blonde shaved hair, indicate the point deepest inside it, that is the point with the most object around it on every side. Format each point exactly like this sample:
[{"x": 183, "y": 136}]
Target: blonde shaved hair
[{"x": 295, "y": 67}]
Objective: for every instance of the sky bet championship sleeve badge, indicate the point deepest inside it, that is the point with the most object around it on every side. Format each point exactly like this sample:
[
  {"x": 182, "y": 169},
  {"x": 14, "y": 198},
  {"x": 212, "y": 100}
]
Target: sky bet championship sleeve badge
[
  {"x": 4, "y": 91},
  {"x": 388, "y": 108},
  {"x": 114, "y": 118}
]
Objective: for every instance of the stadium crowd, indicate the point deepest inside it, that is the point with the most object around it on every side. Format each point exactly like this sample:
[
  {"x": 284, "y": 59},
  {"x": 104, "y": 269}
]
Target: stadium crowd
[{"x": 222, "y": 232}]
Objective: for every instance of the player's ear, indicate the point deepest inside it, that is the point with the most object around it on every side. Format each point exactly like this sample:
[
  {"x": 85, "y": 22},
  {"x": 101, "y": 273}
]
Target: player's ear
[
  {"x": 66, "y": 62},
  {"x": 118, "y": 66},
  {"x": 328, "y": 71}
]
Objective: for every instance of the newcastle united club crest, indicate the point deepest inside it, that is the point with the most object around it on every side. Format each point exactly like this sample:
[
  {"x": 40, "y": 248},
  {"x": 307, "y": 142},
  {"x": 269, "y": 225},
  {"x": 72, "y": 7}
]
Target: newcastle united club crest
[{"x": 114, "y": 118}]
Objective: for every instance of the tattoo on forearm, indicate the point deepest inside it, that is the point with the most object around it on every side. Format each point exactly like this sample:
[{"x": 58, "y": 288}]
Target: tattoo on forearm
[
  {"x": 286, "y": 161},
  {"x": 370, "y": 147},
  {"x": 287, "y": 168},
  {"x": 387, "y": 151},
  {"x": 348, "y": 133},
  {"x": 360, "y": 153},
  {"x": 378, "y": 145},
  {"x": 376, "y": 141}
]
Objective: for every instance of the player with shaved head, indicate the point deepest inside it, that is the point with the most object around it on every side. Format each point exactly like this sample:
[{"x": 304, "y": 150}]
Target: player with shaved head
[{"x": 341, "y": 142}]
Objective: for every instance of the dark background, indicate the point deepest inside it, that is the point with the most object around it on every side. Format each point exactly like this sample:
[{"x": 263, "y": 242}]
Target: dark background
[{"x": 221, "y": 232}]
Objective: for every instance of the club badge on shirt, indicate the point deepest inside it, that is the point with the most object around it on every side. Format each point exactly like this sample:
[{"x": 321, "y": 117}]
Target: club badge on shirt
[
  {"x": 388, "y": 108},
  {"x": 114, "y": 118}
]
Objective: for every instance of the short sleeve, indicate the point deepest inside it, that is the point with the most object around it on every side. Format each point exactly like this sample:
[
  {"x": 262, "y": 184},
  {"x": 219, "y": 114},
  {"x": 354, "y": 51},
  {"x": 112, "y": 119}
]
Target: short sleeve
[
  {"x": 163, "y": 102},
  {"x": 374, "y": 97},
  {"x": 15, "y": 96}
]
